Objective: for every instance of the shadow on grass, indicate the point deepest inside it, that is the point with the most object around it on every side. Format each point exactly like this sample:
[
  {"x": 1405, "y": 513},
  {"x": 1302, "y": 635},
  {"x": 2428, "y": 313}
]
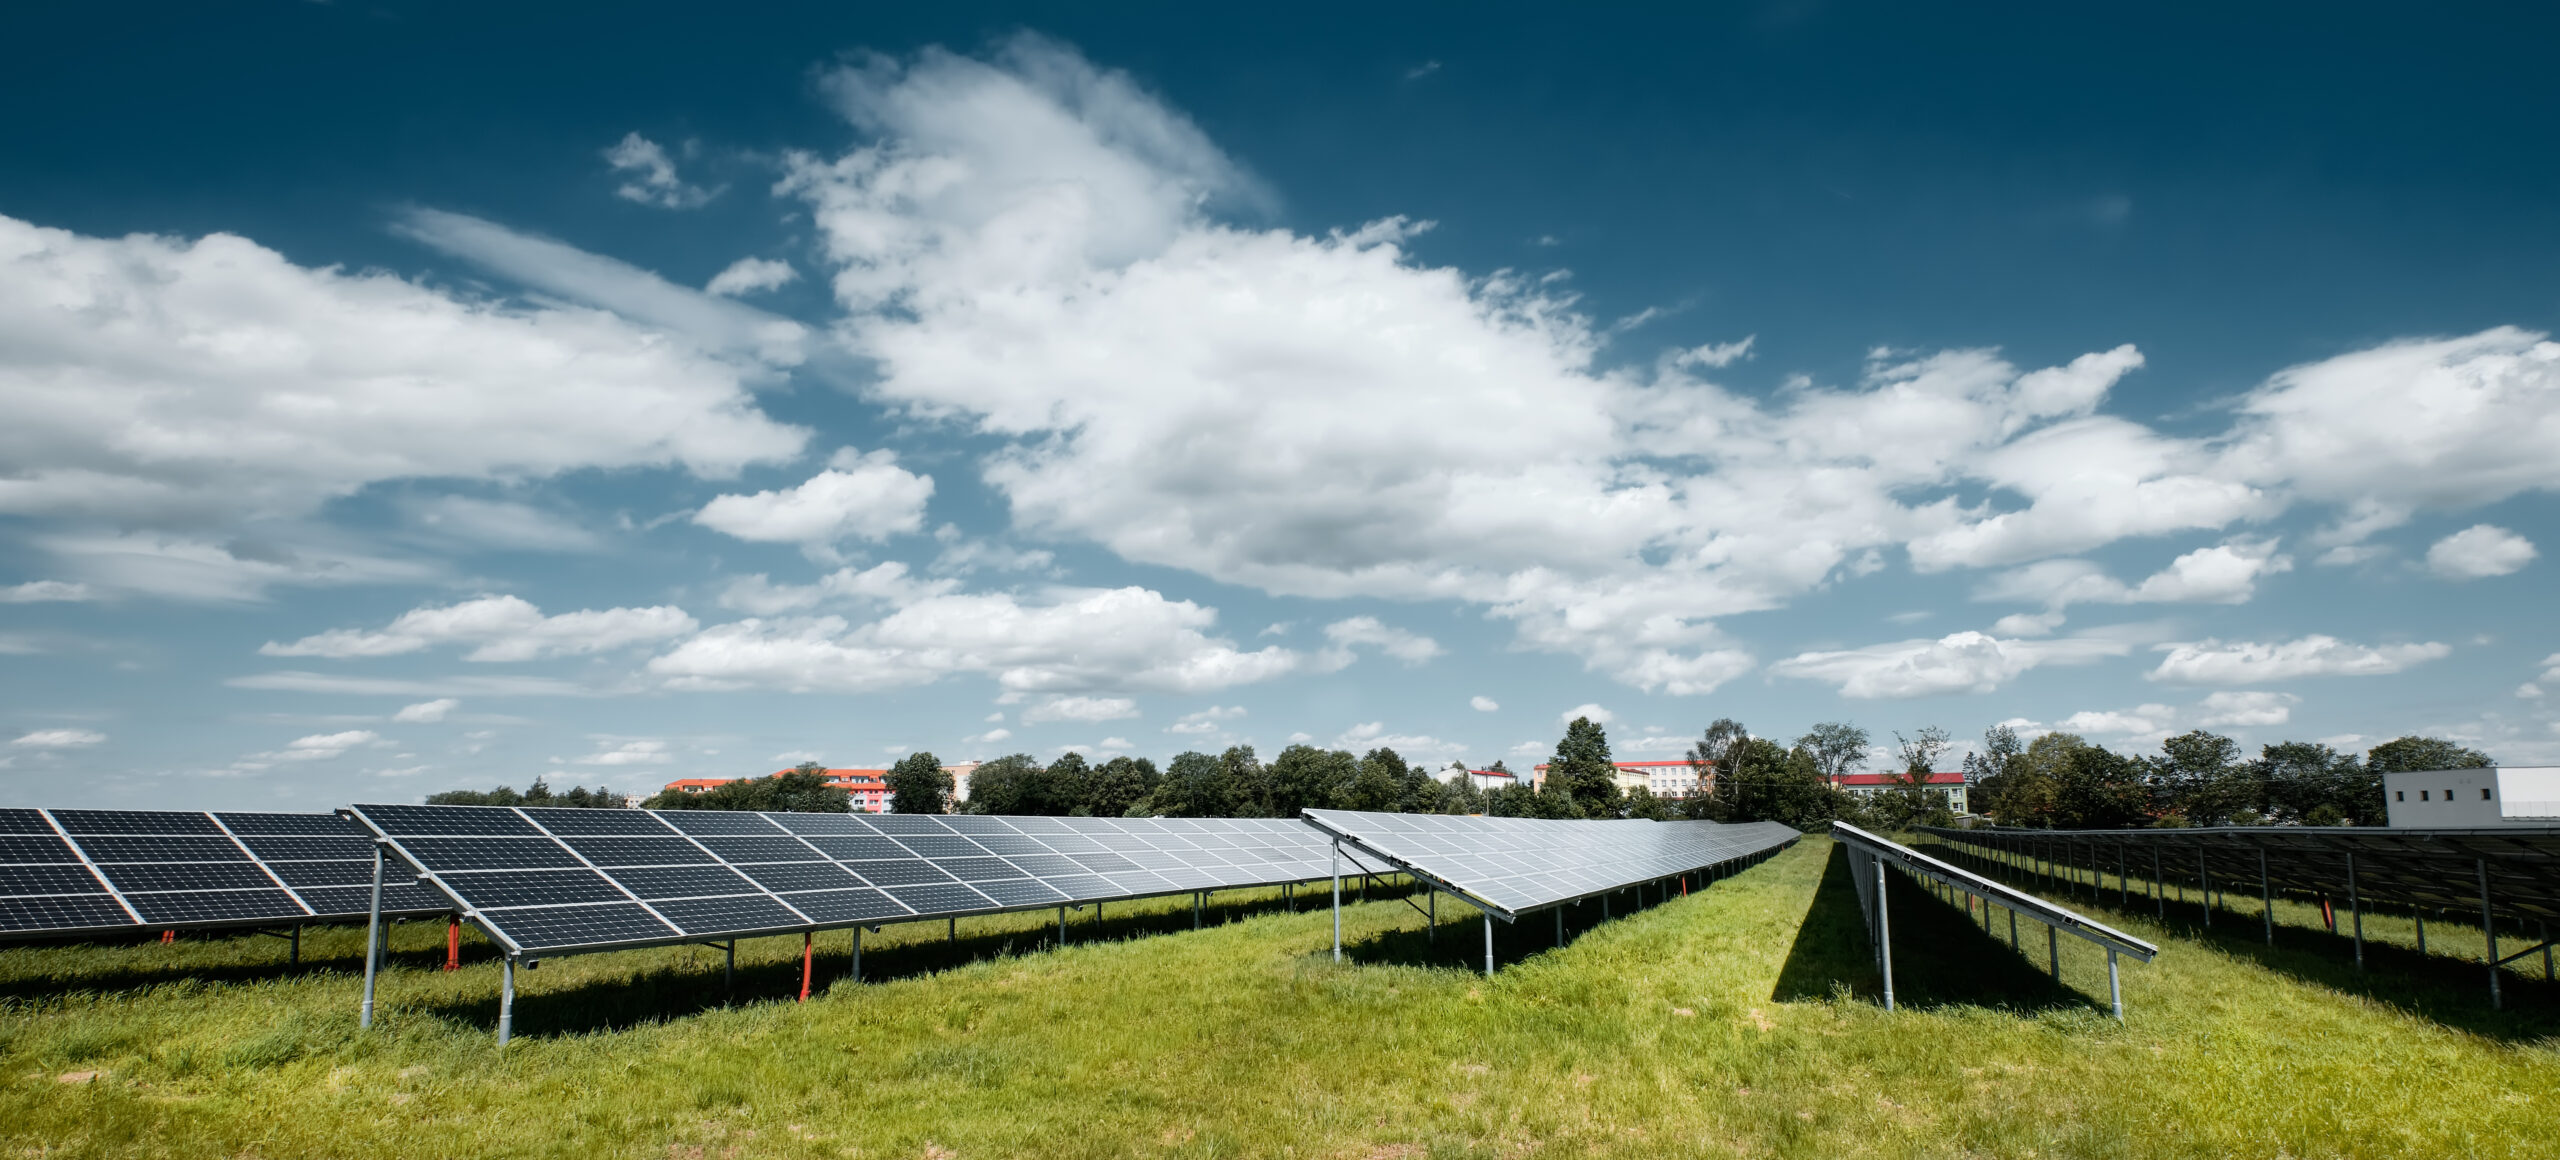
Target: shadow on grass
[
  {"x": 1940, "y": 958},
  {"x": 1459, "y": 939},
  {"x": 2440, "y": 988},
  {"x": 677, "y": 990},
  {"x": 143, "y": 976}
]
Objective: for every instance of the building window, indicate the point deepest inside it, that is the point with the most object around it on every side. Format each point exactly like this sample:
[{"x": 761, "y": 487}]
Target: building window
[
  {"x": 2484, "y": 793},
  {"x": 2422, "y": 795},
  {"x": 2401, "y": 795}
]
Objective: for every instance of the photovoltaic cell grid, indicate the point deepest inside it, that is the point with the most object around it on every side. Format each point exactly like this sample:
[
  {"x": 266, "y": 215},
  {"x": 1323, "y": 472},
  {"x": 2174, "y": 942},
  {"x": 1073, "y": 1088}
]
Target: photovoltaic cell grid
[
  {"x": 1515, "y": 865},
  {"x": 560, "y": 880},
  {"x": 72, "y": 872}
]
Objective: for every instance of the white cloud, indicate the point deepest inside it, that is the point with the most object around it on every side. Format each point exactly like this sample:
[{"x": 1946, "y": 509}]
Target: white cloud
[
  {"x": 59, "y": 739},
  {"x": 2212, "y": 662},
  {"x": 323, "y": 746},
  {"x": 989, "y": 737},
  {"x": 157, "y": 380},
  {"x": 2027, "y": 624},
  {"x": 748, "y": 275},
  {"x": 1206, "y": 720},
  {"x": 887, "y": 583},
  {"x": 500, "y": 524},
  {"x": 2479, "y": 551},
  {"x": 303, "y": 682},
  {"x": 42, "y": 591},
  {"x": 1412, "y": 747},
  {"x": 1072, "y": 641},
  {"x": 1484, "y": 704},
  {"x": 859, "y": 496},
  {"x": 627, "y": 753},
  {"x": 2145, "y": 719},
  {"x": 242, "y": 568},
  {"x": 651, "y": 177},
  {"x": 426, "y": 712},
  {"x": 1411, "y": 648},
  {"x": 2223, "y": 574},
  {"x": 2529, "y": 691},
  {"x": 2248, "y": 709},
  {"x": 1080, "y": 709},
  {"x": 1963, "y": 662},
  {"x": 1598, "y": 715},
  {"x": 506, "y": 628}
]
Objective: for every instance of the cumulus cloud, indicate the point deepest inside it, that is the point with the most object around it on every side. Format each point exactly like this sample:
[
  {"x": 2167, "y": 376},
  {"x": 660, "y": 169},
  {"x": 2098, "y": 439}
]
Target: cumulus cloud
[
  {"x": 1070, "y": 641},
  {"x": 42, "y": 591},
  {"x": 154, "y": 380},
  {"x": 2212, "y": 662},
  {"x": 2245, "y": 709},
  {"x": 427, "y": 712},
  {"x": 323, "y": 746},
  {"x": 499, "y": 524},
  {"x": 859, "y": 496},
  {"x": 2223, "y": 574},
  {"x": 1411, "y": 648},
  {"x": 1597, "y": 714},
  {"x": 2145, "y": 719},
  {"x": 2478, "y": 552},
  {"x": 643, "y": 752},
  {"x": 1484, "y": 704},
  {"x": 1206, "y": 720},
  {"x": 1963, "y": 662},
  {"x": 650, "y": 176},
  {"x": 505, "y": 628},
  {"x": 749, "y": 275},
  {"x": 59, "y": 739},
  {"x": 1080, "y": 709}
]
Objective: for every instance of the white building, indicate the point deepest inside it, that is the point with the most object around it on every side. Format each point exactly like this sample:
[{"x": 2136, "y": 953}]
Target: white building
[{"x": 2454, "y": 799}]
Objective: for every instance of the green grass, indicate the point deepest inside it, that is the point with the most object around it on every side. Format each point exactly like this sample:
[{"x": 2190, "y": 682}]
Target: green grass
[{"x": 1736, "y": 1021}]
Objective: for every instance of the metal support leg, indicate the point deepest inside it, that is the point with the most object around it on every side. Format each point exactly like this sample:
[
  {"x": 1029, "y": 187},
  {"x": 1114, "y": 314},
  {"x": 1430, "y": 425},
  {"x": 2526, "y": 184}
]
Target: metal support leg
[
  {"x": 2204, "y": 886},
  {"x": 1560, "y": 928},
  {"x": 1195, "y": 910},
  {"x": 1488, "y": 946},
  {"x": 1337, "y": 900},
  {"x": 857, "y": 954},
  {"x": 2053, "y": 951},
  {"x": 372, "y": 942},
  {"x": 506, "y": 999},
  {"x": 2545, "y": 930},
  {"x": 2421, "y": 916},
  {"x": 2266, "y": 896},
  {"x": 2355, "y": 910},
  {"x": 2115, "y": 988},
  {"x": 953, "y": 937},
  {"x": 729, "y": 967},
  {"x": 1062, "y": 926},
  {"x": 2489, "y": 930},
  {"x": 1434, "y": 936},
  {"x": 1884, "y": 935},
  {"x": 297, "y": 944},
  {"x": 2013, "y": 929}
]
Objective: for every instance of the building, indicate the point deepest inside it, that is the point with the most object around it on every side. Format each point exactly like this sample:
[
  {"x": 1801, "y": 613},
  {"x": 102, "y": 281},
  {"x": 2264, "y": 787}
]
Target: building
[
  {"x": 1487, "y": 780},
  {"x": 1867, "y": 784},
  {"x": 2445, "y": 799},
  {"x": 1672, "y": 779},
  {"x": 867, "y": 789}
]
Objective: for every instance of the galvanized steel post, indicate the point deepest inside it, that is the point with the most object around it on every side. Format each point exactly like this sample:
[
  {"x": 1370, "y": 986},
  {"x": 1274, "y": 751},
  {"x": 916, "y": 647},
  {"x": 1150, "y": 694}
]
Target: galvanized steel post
[
  {"x": 1337, "y": 901},
  {"x": 2355, "y": 908},
  {"x": 2489, "y": 931},
  {"x": 372, "y": 942},
  {"x": 506, "y": 1000},
  {"x": 1884, "y": 935}
]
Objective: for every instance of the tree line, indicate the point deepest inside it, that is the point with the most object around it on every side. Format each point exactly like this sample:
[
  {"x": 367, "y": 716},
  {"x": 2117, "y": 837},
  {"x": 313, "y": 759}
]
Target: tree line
[{"x": 2056, "y": 780}]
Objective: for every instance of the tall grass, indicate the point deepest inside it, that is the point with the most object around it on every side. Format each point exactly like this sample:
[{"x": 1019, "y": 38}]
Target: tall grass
[{"x": 1735, "y": 1021}]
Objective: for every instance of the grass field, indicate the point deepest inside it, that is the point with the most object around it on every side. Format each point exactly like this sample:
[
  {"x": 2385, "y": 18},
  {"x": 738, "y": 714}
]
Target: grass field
[{"x": 1736, "y": 1021}]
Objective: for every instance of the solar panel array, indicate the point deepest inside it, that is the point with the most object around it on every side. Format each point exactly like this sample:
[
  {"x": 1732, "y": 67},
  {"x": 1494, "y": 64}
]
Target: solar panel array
[
  {"x": 2407, "y": 867},
  {"x": 1515, "y": 865},
  {"x": 561, "y": 880},
  {"x": 70, "y": 872},
  {"x": 1866, "y": 845}
]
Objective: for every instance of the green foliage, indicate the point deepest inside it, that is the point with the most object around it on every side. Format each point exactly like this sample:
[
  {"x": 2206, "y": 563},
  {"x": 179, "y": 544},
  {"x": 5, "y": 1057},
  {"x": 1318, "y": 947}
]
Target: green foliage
[
  {"x": 578, "y": 797},
  {"x": 1838, "y": 747},
  {"x": 1015, "y": 784},
  {"x": 1711, "y": 755},
  {"x": 1065, "y": 788},
  {"x": 1119, "y": 784},
  {"x": 1763, "y": 782},
  {"x": 2413, "y": 754},
  {"x": 1304, "y": 776},
  {"x": 919, "y": 785},
  {"x": 798, "y": 791},
  {"x": 1581, "y": 776},
  {"x": 1195, "y": 786}
]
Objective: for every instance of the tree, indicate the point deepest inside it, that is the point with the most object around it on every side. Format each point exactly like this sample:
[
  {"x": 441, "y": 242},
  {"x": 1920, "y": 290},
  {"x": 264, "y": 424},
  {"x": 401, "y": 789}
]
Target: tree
[
  {"x": 1195, "y": 786},
  {"x": 1377, "y": 785},
  {"x": 2413, "y": 754},
  {"x": 2310, "y": 784},
  {"x": 1763, "y": 782},
  {"x": 1838, "y": 748},
  {"x": 796, "y": 791},
  {"x": 1013, "y": 784},
  {"x": 2098, "y": 789},
  {"x": 1582, "y": 774},
  {"x": 1118, "y": 785},
  {"x": 1066, "y": 788},
  {"x": 1641, "y": 804},
  {"x": 2000, "y": 747},
  {"x": 2022, "y": 793},
  {"x": 1304, "y": 776},
  {"x": 1248, "y": 784},
  {"x": 1708, "y": 759},
  {"x": 2199, "y": 776},
  {"x": 919, "y": 785}
]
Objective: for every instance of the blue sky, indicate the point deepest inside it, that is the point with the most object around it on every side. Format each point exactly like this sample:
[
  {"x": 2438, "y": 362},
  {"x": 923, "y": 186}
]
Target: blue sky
[{"x": 403, "y": 397}]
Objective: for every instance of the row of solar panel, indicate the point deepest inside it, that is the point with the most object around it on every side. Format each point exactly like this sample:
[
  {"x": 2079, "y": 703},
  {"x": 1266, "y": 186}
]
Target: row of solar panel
[
  {"x": 1520, "y": 864},
  {"x": 78, "y": 871},
  {"x": 556, "y": 880}
]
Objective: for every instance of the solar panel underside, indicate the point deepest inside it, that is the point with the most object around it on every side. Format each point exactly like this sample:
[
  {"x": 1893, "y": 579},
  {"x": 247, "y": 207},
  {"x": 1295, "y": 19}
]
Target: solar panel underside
[
  {"x": 1522, "y": 864},
  {"x": 556, "y": 881},
  {"x": 74, "y": 872}
]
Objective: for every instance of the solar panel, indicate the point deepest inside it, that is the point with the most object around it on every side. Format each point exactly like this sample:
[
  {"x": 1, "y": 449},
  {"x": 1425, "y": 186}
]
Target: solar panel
[
  {"x": 79, "y": 872},
  {"x": 560, "y": 880},
  {"x": 1510, "y": 866}
]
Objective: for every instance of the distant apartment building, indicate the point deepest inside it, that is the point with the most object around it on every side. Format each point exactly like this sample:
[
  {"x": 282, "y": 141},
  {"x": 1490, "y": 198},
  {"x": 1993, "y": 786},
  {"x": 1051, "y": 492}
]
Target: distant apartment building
[
  {"x": 2456, "y": 799},
  {"x": 866, "y": 789},
  {"x": 1672, "y": 779},
  {"x": 1868, "y": 784},
  {"x": 1487, "y": 780}
]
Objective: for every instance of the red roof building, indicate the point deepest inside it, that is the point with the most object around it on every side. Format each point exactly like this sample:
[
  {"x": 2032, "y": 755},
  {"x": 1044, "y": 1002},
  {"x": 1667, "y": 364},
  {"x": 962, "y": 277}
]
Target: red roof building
[
  {"x": 868, "y": 789},
  {"x": 1868, "y": 783},
  {"x": 1661, "y": 778}
]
